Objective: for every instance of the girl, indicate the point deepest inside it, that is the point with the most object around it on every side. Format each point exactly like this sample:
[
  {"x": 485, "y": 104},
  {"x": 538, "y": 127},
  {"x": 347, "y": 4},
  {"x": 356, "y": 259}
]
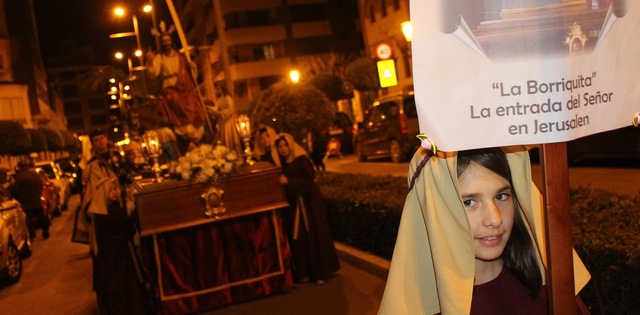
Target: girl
[
  {"x": 313, "y": 253},
  {"x": 469, "y": 238}
]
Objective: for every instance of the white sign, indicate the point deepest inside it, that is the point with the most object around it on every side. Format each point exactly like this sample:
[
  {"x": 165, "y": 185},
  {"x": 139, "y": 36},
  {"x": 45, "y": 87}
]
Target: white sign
[
  {"x": 481, "y": 82},
  {"x": 384, "y": 51}
]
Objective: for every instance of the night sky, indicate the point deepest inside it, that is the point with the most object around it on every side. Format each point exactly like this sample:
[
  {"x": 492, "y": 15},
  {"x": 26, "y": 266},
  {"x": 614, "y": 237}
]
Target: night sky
[{"x": 89, "y": 22}]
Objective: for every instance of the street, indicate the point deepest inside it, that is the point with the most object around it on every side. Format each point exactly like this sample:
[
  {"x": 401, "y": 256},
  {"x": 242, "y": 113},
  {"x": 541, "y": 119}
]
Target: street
[{"x": 56, "y": 279}]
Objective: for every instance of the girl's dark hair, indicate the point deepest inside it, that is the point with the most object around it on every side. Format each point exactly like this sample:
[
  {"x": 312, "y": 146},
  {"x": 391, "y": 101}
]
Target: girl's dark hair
[{"x": 520, "y": 253}]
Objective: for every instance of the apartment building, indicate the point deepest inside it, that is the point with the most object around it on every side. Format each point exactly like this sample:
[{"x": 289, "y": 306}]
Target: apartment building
[
  {"x": 252, "y": 44},
  {"x": 382, "y": 23}
]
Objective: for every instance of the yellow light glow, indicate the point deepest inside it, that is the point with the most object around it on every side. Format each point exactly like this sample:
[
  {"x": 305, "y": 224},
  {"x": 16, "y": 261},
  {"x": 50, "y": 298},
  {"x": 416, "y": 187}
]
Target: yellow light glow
[
  {"x": 407, "y": 30},
  {"x": 126, "y": 88},
  {"x": 114, "y": 89},
  {"x": 147, "y": 8},
  {"x": 112, "y": 80},
  {"x": 138, "y": 53},
  {"x": 294, "y": 75},
  {"x": 118, "y": 11},
  {"x": 119, "y": 55}
]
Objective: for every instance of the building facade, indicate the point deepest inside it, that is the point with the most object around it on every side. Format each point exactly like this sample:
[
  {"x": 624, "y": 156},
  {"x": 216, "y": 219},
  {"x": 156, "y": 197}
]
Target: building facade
[
  {"x": 25, "y": 95},
  {"x": 382, "y": 22},
  {"x": 253, "y": 44}
]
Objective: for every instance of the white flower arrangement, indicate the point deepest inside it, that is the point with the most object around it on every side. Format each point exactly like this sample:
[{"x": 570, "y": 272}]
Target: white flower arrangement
[{"x": 208, "y": 163}]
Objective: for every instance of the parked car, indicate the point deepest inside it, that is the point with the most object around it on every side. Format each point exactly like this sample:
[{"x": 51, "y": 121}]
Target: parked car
[
  {"x": 341, "y": 129},
  {"x": 15, "y": 242},
  {"x": 389, "y": 129},
  {"x": 72, "y": 170},
  {"x": 58, "y": 178}
]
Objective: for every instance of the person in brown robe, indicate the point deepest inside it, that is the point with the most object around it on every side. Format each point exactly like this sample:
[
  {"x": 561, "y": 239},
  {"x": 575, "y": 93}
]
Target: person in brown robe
[{"x": 305, "y": 221}]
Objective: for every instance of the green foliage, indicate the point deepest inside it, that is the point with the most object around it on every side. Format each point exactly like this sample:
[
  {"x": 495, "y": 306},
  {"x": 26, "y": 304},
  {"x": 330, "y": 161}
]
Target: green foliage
[
  {"x": 14, "y": 139},
  {"x": 38, "y": 141},
  {"x": 330, "y": 85},
  {"x": 293, "y": 108},
  {"x": 54, "y": 139},
  {"x": 363, "y": 74},
  {"x": 364, "y": 212}
]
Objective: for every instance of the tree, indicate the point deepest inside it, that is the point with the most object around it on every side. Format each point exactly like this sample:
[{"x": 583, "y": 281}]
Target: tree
[
  {"x": 14, "y": 139},
  {"x": 55, "y": 142},
  {"x": 330, "y": 85},
  {"x": 362, "y": 74},
  {"x": 38, "y": 141},
  {"x": 293, "y": 108}
]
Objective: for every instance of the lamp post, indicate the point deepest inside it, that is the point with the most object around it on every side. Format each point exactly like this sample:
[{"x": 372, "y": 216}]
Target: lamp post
[{"x": 136, "y": 32}]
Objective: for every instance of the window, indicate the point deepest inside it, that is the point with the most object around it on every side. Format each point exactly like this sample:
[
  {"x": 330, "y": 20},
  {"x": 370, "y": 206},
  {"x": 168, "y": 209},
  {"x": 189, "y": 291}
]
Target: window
[
  {"x": 308, "y": 13},
  {"x": 396, "y": 5},
  {"x": 97, "y": 103},
  {"x": 383, "y": 7},
  {"x": 13, "y": 108},
  {"x": 372, "y": 14},
  {"x": 99, "y": 120},
  {"x": 71, "y": 108},
  {"x": 240, "y": 89},
  {"x": 69, "y": 91}
]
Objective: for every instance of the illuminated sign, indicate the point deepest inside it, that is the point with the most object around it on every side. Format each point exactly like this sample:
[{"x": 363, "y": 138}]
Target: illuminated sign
[{"x": 387, "y": 73}]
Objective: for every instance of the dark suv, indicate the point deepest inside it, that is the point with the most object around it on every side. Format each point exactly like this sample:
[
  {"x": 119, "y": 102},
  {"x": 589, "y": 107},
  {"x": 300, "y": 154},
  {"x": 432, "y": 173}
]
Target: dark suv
[{"x": 389, "y": 129}]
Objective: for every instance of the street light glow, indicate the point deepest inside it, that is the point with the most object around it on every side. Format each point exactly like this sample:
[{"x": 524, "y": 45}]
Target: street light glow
[
  {"x": 147, "y": 8},
  {"x": 407, "y": 30},
  {"x": 118, "y": 11},
  {"x": 294, "y": 75},
  {"x": 119, "y": 55},
  {"x": 138, "y": 53}
]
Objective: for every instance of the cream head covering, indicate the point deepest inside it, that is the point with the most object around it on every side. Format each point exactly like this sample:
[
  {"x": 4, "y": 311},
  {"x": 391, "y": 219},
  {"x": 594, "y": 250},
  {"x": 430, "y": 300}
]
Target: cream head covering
[
  {"x": 295, "y": 149},
  {"x": 433, "y": 265},
  {"x": 258, "y": 149}
]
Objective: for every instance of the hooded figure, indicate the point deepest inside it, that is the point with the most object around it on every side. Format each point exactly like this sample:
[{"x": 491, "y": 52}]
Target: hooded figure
[
  {"x": 263, "y": 143},
  {"x": 433, "y": 265},
  {"x": 305, "y": 221}
]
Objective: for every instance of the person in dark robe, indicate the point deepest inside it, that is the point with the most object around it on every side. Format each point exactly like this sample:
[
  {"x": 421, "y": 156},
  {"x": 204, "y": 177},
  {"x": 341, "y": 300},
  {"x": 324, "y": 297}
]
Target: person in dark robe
[
  {"x": 116, "y": 281},
  {"x": 313, "y": 253}
]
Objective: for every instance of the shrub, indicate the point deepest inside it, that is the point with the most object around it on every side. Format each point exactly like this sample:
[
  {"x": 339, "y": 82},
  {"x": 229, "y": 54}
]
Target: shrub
[{"x": 364, "y": 212}]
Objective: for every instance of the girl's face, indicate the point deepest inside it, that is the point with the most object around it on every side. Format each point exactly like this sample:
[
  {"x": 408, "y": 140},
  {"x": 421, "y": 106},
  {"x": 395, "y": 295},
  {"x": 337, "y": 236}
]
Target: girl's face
[
  {"x": 487, "y": 199},
  {"x": 283, "y": 148}
]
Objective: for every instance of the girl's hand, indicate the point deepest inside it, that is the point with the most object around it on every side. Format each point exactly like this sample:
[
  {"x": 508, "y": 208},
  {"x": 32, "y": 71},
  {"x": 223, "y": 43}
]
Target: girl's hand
[{"x": 283, "y": 180}]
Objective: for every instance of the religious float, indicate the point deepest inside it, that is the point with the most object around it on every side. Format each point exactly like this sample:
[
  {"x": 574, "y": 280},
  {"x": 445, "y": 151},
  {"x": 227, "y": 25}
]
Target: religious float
[{"x": 213, "y": 239}]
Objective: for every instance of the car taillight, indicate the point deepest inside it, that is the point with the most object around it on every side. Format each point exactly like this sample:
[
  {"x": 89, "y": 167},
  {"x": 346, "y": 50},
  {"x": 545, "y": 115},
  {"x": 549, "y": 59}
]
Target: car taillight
[
  {"x": 349, "y": 129},
  {"x": 402, "y": 119}
]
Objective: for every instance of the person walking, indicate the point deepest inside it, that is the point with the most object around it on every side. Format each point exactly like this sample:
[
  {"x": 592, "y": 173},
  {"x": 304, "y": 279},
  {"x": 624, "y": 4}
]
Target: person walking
[{"x": 27, "y": 189}]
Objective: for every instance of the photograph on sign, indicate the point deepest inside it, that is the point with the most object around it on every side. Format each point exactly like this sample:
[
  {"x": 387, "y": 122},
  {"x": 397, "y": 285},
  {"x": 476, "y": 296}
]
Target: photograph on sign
[{"x": 524, "y": 72}]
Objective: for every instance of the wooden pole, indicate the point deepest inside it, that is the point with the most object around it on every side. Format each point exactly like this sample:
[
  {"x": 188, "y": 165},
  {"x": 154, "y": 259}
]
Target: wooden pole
[{"x": 555, "y": 179}]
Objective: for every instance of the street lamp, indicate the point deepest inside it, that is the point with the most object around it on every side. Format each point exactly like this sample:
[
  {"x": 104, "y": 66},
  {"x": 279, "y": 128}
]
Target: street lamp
[
  {"x": 119, "y": 11},
  {"x": 407, "y": 31}
]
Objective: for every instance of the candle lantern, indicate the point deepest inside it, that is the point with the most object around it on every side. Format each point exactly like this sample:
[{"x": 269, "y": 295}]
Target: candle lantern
[
  {"x": 152, "y": 147},
  {"x": 243, "y": 125}
]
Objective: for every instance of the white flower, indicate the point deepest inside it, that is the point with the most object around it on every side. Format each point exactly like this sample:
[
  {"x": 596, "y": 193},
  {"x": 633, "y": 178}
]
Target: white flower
[{"x": 208, "y": 163}]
